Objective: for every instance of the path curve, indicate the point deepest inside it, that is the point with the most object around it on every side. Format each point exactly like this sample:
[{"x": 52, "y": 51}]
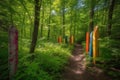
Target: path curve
[{"x": 76, "y": 69}]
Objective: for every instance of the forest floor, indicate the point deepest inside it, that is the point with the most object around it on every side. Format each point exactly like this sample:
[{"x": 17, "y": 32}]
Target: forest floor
[{"x": 78, "y": 70}]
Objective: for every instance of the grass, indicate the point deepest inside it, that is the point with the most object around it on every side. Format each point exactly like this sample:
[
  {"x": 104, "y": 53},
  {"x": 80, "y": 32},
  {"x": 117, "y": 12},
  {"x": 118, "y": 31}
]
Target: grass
[
  {"x": 3, "y": 55},
  {"x": 48, "y": 63}
]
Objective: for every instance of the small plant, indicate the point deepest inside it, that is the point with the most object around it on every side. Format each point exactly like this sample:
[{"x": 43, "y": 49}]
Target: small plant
[{"x": 49, "y": 60}]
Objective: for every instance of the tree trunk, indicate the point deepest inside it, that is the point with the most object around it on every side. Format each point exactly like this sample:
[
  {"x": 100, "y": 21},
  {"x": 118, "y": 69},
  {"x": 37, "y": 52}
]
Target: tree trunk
[
  {"x": 91, "y": 25},
  {"x": 42, "y": 24},
  {"x": 75, "y": 24},
  {"x": 110, "y": 13},
  {"x": 71, "y": 18},
  {"x": 36, "y": 25},
  {"x": 48, "y": 29},
  {"x": 49, "y": 22},
  {"x": 63, "y": 17}
]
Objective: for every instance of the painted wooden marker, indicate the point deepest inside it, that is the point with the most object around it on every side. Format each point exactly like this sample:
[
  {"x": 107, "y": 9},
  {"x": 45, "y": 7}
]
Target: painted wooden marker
[
  {"x": 71, "y": 39},
  {"x": 91, "y": 45},
  {"x": 95, "y": 44},
  {"x": 59, "y": 39},
  {"x": 87, "y": 42},
  {"x": 13, "y": 51}
]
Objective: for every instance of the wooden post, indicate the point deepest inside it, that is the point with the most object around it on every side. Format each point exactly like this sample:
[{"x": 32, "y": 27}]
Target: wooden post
[
  {"x": 95, "y": 44},
  {"x": 91, "y": 45},
  {"x": 87, "y": 42},
  {"x": 13, "y": 51},
  {"x": 71, "y": 39},
  {"x": 59, "y": 39}
]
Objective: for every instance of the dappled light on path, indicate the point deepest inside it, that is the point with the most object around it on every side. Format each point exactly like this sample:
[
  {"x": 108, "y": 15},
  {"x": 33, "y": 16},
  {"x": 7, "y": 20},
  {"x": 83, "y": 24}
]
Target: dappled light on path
[{"x": 76, "y": 68}]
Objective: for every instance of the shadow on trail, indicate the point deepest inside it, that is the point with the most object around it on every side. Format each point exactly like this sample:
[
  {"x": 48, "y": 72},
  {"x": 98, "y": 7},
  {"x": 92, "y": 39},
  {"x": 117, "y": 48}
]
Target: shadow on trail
[{"x": 77, "y": 70}]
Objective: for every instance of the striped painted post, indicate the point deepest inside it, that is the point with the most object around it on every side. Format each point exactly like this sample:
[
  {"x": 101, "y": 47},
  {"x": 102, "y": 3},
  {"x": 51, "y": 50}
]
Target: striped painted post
[
  {"x": 13, "y": 51},
  {"x": 71, "y": 39},
  {"x": 91, "y": 45}
]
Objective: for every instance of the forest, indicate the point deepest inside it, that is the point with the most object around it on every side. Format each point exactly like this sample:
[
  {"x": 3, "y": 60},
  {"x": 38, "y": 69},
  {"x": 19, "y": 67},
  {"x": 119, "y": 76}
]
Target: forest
[{"x": 59, "y": 39}]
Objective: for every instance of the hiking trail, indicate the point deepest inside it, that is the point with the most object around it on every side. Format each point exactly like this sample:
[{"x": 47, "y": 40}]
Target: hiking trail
[{"x": 76, "y": 69}]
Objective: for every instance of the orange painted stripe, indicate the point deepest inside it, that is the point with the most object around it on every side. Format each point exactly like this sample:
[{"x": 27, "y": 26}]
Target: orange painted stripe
[
  {"x": 71, "y": 39},
  {"x": 87, "y": 41},
  {"x": 59, "y": 39}
]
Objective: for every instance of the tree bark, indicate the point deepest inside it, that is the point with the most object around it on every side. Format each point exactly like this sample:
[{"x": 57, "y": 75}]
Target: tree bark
[
  {"x": 36, "y": 25},
  {"x": 110, "y": 14},
  {"x": 42, "y": 24},
  {"x": 71, "y": 25},
  {"x": 49, "y": 22},
  {"x": 75, "y": 24},
  {"x": 63, "y": 17},
  {"x": 91, "y": 24}
]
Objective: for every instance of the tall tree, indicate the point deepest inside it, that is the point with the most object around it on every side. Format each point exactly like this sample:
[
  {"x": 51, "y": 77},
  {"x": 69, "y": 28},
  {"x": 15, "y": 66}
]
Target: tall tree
[
  {"x": 42, "y": 21},
  {"x": 91, "y": 24},
  {"x": 63, "y": 16},
  {"x": 75, "y": 23},
  {"x": 36, "y": 24},
  {"x": 71, "y": 18},
  {"x": 110, "y": 14},
  {"x": 49, "y": 23}
]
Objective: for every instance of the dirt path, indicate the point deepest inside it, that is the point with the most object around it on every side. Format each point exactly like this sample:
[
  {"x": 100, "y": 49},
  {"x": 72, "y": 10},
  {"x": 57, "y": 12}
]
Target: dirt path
[{"x": 76, "y": 69}]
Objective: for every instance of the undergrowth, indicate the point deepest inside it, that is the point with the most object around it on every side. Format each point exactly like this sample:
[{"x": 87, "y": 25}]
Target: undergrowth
[
  {"x": 109, "y": 57},
  {"x": 3, "y": 55},
  {"x": 49, "y": 61}
]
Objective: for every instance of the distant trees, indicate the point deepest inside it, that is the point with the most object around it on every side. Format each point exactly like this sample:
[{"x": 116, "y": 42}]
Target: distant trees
[{"x": 58, "y": 17}]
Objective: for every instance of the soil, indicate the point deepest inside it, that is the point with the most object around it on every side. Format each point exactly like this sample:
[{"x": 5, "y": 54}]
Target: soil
[{"x": 76, "y": 69}]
